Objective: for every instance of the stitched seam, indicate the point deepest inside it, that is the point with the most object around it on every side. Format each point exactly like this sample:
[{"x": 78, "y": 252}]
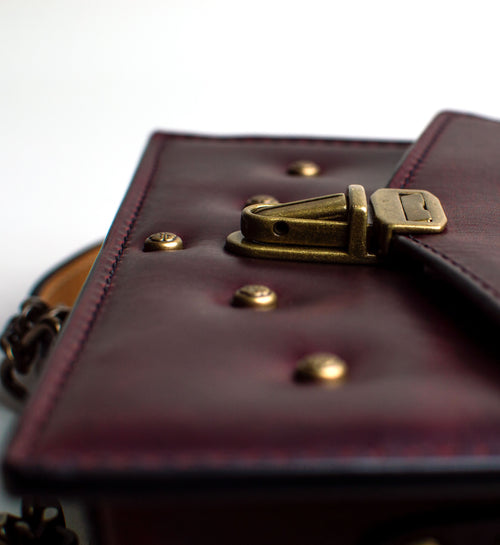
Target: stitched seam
[
  {"x": 68, "y": 368},
  {"x": 212, "y": 458},
  {"x": 459, "y": 266}
]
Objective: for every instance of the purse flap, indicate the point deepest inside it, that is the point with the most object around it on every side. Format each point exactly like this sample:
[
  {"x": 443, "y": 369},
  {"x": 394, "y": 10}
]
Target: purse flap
[{"x": 458, "y": 159}]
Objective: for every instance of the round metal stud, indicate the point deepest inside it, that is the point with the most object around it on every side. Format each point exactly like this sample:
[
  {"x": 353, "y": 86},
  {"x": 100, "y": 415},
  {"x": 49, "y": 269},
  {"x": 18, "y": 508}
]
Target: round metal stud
[
  {"x": 261, "y": 199},
  {"x": 255, "y": 296},
  {"x": 303, "y": 168},
  {"x": 162, "y": 242},
  {"x": 321, "y": 367}
]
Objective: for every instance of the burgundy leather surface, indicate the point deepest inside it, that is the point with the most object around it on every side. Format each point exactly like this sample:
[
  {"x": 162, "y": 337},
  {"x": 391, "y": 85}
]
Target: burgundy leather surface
[
  {"x": 298, "y": 520},
  {"x": 158, "y": 378},
  {"x": 458, "y": 158}
]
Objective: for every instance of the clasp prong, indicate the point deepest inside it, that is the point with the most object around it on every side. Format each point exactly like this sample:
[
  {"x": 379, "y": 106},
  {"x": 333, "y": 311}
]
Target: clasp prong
[{"x": 338, "y": 228}]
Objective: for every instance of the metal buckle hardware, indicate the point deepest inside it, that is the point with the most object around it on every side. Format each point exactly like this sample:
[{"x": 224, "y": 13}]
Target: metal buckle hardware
[{"x": 339, "y": 228}]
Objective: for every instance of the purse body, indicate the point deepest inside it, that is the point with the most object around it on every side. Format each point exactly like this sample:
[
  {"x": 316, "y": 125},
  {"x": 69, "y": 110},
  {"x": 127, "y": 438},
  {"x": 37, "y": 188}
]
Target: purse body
[{"x": 176, "y": 414}]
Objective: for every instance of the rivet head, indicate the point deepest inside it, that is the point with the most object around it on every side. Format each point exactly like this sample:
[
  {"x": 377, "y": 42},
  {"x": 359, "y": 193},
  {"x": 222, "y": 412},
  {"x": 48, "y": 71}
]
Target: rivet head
[
  {"x": 163, "y": 241},
  {"x": 261, "y": 199},
  {"x": 255, "y": 296},
  {"x": 303, "y": 168},
  {"x": 321, "y": 367}
]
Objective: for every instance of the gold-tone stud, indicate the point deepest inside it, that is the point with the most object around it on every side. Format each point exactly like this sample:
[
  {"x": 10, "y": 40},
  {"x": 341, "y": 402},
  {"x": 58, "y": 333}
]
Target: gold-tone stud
[
  {"x": 261, "y": 199},
  {"x": 303, "y": 168},
  {"x": 321, "y": 367},
  {"x": 163, "y": 242},
  {"x": 255, "y": 296}
]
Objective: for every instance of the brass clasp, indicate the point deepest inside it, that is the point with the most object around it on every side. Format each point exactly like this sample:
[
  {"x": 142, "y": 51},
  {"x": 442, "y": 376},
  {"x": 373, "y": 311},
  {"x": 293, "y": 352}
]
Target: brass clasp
[{"x": 339, "y": 228}]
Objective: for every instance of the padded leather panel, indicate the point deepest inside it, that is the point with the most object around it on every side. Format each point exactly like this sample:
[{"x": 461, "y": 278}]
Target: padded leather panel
[{"x": 158, "y": 377}]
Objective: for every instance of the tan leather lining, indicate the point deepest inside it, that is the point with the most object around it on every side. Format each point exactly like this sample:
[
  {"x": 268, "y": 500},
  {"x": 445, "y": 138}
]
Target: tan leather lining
[{"x": 63, "y": 285}]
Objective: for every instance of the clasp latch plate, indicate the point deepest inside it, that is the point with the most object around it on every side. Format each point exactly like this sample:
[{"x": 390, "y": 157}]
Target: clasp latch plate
[
  {"x": 405, "y": 211},
  {"x": 338, "y": 228}
]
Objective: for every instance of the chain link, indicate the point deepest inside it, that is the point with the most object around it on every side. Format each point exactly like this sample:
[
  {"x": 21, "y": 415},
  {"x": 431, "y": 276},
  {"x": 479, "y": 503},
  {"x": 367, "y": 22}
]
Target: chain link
[
  {"x": 26, "y": 341},
  {"x": 41, "y": 523}
]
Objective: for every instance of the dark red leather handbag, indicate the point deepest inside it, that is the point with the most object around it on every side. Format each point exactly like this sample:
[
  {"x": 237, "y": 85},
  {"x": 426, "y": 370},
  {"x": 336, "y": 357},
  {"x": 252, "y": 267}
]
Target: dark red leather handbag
[{"x": 285, "y": 341}]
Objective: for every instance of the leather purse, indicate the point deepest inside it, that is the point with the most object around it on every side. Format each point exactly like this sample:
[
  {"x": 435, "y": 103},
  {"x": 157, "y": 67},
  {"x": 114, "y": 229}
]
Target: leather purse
[{"x": 283, "y": 340}]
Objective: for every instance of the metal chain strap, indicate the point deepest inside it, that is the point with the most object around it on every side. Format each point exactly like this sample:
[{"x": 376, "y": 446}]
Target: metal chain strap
[
  {"x": 40, "y": 523},
  {"x": 26, "y": 340}
]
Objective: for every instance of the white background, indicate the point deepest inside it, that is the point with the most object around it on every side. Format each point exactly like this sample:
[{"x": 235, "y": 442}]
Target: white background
[{"x": 82, "y": 84}]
